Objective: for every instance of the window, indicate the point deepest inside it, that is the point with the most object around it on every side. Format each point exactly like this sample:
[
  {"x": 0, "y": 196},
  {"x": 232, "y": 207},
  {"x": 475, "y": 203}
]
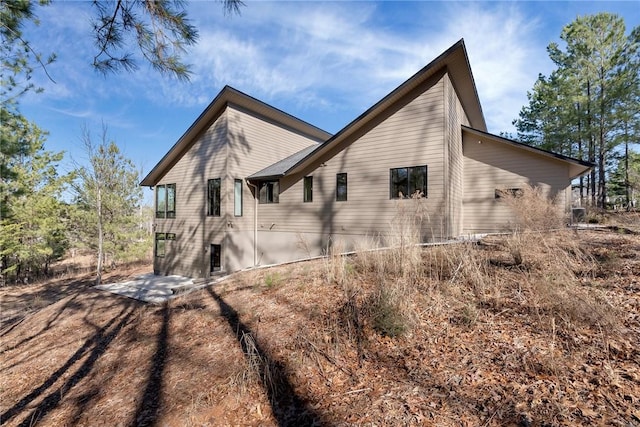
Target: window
[
  {"x": 269, "y": 192},
  {"x": 308, "y": 189},
  {"x": 341, "y": 187},
  {"x": 508, "y": 192},
  {"x": 214, "y": 258},
  {"x": 405, "y": 182},
  {"x": 166, "y": 201},
  {"x": 237, "y": 197},
  {"x": 161, "y": 248},
  {"x": 213, "y": 197}
]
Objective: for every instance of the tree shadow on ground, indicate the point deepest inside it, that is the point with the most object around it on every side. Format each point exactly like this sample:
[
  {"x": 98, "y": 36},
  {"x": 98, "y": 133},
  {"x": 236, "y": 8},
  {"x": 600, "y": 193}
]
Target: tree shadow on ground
[
  {"x": 151, "y": 402},
  {"x": 288, "y": 408},
  {"x": 91, "y": 350}
]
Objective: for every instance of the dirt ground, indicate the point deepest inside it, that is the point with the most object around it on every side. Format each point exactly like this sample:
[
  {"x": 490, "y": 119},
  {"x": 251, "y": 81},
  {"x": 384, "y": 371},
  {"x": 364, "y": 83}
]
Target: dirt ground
[{"x": 287, "y": 346}]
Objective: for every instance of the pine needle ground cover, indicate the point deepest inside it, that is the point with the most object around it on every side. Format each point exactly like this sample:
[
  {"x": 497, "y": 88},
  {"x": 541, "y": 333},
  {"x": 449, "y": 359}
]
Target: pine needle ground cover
[{"x": 527, "y": 329}]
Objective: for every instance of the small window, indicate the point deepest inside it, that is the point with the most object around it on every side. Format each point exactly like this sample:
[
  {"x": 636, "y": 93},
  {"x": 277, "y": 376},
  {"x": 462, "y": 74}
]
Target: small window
[
  {"x": 237, "y": 197},
  {"x": 308, "y": 189},
  {"x": 171, "y": 200},
  {"x": 407, "y": 182},
  {"x": 508, "y": 192},
  {"x": 161, "y": 243},
  {"x": 269, "y": 192},
  {"x": 166, "y": 201},
  {"x": 341, "y": 187},
  {"x": 213, "y": 197}
]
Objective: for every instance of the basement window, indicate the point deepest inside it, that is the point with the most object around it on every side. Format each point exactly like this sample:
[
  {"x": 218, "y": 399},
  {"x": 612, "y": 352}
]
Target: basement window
[
  {"x": 501, "y": 193},
  {"x": 160, "y": 243}
]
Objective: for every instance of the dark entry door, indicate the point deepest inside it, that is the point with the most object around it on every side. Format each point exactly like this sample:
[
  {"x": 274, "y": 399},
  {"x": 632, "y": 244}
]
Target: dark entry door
[{"x": 215, "y": 257}]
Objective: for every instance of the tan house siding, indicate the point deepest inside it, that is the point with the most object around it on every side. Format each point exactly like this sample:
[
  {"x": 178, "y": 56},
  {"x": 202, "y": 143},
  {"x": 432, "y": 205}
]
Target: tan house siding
[
  {"x": 491, "y": 165},
  {"x": 205, "y": 159},
  {"x": 411, "y": 136},
  {"x": 453, "y": 159},
  {"x": 254, "y": 143},
  {"x": 434, "y": 119},
  {"x": 234, "y": 146}
]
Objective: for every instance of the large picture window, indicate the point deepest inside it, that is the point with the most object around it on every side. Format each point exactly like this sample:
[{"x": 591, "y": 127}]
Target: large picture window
[
  {"x": 269, "y": 192},
  {"x": 166, "y": 201},
  {"x": 213, "y": 197},
  {"x": 406, "y": 182},
  {"x": 308, "y": 189},
  {"x": 341, "y": 187}
]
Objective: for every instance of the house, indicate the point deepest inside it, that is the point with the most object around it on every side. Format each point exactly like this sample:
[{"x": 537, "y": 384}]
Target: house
[{"x": 248, "y": 184}]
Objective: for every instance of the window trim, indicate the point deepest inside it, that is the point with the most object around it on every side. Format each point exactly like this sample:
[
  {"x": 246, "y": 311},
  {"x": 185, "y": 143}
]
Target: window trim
[
  {"x": 307, "y": 189},
  {"x": 211, "y": 204},
  {"x": 237, "y": 200},
  {"x": 394, "y": 195},
  {"x": 338, "y": 185}
]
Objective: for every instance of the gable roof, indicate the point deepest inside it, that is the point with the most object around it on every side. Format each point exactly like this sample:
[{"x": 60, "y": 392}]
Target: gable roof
[
  {"x": 454, "y": 60},
  {"x": 228, "y": 95},
  {"x": 278, "y": 169},
  {"x": 577, "y": 167}
]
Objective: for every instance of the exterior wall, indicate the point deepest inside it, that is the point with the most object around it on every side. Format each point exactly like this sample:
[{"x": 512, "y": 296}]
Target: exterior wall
[
  {"x": 206, "y": 158},
  {"x": 491, "y": 165},
  {"x": 454, "y": 162},
  {"x": 412, "y": 135},
  {"x": 253, "y": 145},
  {"x": 236, "y": 145}
]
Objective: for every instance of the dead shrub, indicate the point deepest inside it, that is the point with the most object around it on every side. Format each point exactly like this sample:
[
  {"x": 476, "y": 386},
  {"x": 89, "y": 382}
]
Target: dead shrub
[
  {"x": 389, "y": 311},
  {"x": 533, "y": 210}
]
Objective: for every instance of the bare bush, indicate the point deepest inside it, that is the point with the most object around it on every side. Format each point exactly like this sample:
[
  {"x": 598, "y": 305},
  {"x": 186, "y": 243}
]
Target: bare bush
[{"x": 533, "y": 209}]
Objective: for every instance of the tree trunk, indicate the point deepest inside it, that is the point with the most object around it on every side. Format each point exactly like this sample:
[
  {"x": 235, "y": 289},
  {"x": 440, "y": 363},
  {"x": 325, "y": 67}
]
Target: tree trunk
[
  {"x": 627, "y": 195},
  {"x": 100, "y": 236},
  {"x": 592, "y": 148}
]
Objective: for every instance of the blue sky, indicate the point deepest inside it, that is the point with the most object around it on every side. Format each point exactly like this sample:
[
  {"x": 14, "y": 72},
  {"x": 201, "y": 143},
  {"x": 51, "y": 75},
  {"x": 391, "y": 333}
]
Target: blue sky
[{"x": 324, "y": 62}]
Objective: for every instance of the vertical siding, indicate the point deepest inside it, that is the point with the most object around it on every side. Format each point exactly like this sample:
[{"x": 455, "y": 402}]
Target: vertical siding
[
  {"x": 410, "y": 136},
  {"x": 491, "y": 165},
  {"x": 236, "y": 145}
]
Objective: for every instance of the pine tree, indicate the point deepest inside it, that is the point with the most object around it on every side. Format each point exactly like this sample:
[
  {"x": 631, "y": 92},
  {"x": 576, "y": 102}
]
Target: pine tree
[
  {"x": 32, "y": 227},
  {"x": 587, "y": 103},
  {"x": 109, "y": 200}
]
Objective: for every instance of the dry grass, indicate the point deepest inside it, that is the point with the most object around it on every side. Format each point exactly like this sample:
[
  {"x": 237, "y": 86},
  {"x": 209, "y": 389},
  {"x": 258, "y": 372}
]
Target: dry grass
[{"x": 482, "y": 337}]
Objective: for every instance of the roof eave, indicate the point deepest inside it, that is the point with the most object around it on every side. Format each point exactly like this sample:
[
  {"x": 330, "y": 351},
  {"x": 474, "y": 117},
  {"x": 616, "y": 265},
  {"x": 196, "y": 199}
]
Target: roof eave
[
  {"x": 577, "y": 167},
  {"x": 471, "y": 102},
  {"x": 228, "y": 95}
]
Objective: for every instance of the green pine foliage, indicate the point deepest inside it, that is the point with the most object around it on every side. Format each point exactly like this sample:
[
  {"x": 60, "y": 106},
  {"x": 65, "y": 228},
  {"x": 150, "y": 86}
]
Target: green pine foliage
[
  {"x": 109, "y": 219},
  {"x": 589, "y": 105},
  {"x": 32, "y": 216}
]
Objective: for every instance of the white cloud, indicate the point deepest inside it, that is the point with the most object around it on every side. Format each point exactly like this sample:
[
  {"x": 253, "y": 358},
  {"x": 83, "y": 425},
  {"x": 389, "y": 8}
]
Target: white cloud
[{"x": 336, "y": 56}]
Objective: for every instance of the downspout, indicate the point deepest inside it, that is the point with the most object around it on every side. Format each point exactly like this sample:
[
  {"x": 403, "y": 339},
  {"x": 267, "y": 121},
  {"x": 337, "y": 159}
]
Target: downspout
[{"x": 255, "y": 222}]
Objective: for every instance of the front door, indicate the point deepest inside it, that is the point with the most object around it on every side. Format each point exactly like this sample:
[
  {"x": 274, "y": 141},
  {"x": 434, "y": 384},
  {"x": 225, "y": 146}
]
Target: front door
[{"x": 215, "y": 257}]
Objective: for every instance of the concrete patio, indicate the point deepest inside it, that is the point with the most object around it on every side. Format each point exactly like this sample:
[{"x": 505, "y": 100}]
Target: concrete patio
[{"x": 153, "y": 289}]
